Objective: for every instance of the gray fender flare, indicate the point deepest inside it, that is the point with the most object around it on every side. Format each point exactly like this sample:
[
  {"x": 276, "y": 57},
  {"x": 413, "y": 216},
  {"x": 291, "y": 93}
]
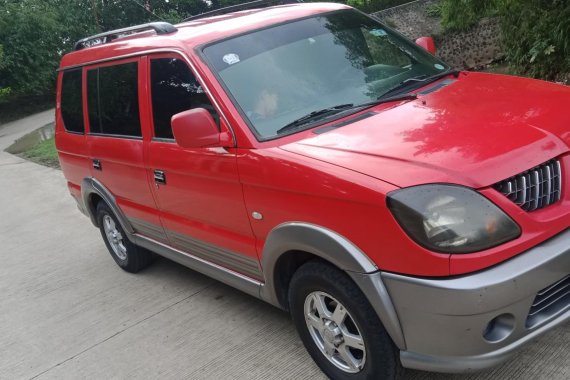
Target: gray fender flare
[
  {"x": 339, "y": 251},
  {"x": 90, "y": 186}
]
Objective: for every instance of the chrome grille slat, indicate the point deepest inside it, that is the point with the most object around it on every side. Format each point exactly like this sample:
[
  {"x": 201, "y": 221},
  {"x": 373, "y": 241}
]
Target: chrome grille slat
[
  {"x": 559, "y": 182},
  {"x": 547, "y": 290},
  {"x": 536, "y": 188},
  {"x": 563, "y": 290},
  {"x": 550, "y": 301},
  {"x": 547, "y": 186}
]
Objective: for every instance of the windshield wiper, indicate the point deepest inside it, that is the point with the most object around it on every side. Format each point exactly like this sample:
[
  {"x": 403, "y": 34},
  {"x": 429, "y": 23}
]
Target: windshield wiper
[
  {"x": 420, "y": 78},
  {"x": 342, "y": 109},
  {"x": 314, "y": 115},
  {"x": 386, "y": 99}
]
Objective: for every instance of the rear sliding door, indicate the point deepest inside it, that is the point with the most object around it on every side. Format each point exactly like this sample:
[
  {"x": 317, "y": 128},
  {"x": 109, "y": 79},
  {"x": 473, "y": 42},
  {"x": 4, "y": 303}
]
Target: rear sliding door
[{"x": 115, "y": 140}]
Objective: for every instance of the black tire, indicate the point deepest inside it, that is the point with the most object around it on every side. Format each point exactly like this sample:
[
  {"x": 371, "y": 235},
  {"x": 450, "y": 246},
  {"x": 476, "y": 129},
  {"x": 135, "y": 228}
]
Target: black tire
[
  {"x": 381, "y": 356},
  {"x": 136, "y": 258}
]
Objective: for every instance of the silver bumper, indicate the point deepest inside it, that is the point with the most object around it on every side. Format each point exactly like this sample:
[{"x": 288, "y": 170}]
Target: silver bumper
[{"x": 446, "y": 322}]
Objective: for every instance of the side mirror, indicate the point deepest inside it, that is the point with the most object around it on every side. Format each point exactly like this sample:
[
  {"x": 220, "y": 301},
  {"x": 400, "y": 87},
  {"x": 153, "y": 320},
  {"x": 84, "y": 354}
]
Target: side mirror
[
  {"x": 196, "y": 128},
  {"x": 427, "y": 43}
]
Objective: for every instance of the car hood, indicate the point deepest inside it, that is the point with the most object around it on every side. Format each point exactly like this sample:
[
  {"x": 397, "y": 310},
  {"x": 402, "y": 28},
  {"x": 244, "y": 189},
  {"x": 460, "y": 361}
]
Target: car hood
[{"x": 475, "y": 130}]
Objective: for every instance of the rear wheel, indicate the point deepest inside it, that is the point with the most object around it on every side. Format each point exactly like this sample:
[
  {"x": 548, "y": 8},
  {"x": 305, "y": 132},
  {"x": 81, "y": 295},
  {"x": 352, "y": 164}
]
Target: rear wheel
[
  {"x": 127, "y": 255},
  {"x": 338, "y": 326}
]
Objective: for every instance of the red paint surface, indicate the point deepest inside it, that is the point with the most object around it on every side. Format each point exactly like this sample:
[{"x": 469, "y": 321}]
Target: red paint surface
[{"x": 478, "y": 130}]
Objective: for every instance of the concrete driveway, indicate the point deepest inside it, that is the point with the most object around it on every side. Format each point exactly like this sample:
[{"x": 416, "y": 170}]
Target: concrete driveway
[{"x": 67, "y": 311}]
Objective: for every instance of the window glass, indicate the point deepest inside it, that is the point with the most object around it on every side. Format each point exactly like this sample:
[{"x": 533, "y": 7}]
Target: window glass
[
  {"x": 112, "y": 99},
  {"x": 174, "y": 89},
  {"x": 72, "y": 101},
  {"x": 284, "y": 73}
]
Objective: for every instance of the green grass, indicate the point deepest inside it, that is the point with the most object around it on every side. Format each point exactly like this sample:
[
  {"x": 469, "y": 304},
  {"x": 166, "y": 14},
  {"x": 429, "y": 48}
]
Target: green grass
[{"x": 43, "y": 153}]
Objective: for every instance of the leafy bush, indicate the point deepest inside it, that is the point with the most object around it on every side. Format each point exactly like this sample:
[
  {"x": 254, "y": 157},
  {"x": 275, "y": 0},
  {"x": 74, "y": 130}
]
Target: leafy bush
[
  {"x": 434, "y": 10},
  {"x": 536, "y": 33},
  {"x": 459, "y": 15},
  {"x": 371, "y": 6}
]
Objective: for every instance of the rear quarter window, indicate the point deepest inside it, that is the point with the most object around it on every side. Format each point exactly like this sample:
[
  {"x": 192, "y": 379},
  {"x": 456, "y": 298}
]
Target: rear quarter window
[
  {"x": 112, "y": 99},
  {"x": 72, "y": 101}
]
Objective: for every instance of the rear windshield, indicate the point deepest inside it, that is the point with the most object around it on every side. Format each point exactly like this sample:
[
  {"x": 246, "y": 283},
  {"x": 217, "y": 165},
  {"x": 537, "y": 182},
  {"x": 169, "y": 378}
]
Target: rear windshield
[{"x": 279, "y": 74}]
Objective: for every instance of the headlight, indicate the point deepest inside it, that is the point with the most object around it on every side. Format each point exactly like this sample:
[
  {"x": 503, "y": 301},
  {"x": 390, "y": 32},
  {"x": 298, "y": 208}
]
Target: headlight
[{"x": 451, "y": 219}]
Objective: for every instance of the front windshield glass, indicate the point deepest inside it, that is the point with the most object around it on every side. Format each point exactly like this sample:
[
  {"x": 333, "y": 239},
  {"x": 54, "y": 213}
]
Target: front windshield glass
[{"x": 280, "y": 74}]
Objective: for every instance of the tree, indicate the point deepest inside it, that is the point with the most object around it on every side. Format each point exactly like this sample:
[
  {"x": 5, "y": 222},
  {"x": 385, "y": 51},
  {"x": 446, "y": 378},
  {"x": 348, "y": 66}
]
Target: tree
[
  {"x": 34, "y": 34},
  {"x": 31, "y": 39}
]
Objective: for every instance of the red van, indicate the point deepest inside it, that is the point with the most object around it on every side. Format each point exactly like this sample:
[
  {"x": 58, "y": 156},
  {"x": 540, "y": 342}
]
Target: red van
[{"x": 404, "y": 213}]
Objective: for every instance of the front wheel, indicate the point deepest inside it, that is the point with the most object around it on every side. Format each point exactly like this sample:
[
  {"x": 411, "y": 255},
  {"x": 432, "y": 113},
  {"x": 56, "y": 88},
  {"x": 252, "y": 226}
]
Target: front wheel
[{"x": 338, "y": 326}]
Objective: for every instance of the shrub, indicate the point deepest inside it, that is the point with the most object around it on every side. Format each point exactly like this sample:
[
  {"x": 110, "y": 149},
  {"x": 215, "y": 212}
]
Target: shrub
[
  {"x": 371, "y": 6},
  {"x": 459, "y": 15},
  {"x": 536, "y": 33}
]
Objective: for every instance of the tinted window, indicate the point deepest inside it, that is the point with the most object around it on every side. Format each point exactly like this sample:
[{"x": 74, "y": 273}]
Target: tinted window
[
  {"x": 72, "y": 101},
  {"x": 174, "y": 89},
  {"x": 112, "y": 99}
]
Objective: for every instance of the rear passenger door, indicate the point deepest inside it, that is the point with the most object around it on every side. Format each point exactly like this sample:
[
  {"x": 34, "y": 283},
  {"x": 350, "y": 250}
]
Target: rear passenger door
[
  {"x": 197, "y": 190},
  {"x": 115, "y": 140}
]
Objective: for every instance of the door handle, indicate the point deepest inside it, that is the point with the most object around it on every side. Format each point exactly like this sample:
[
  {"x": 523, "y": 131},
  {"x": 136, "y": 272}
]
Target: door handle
[
  {"x": 97, "y": 165},
  {"x": 160, "y": 177}
]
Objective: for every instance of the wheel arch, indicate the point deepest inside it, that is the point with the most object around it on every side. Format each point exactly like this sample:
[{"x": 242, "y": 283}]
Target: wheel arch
[
  {"x": 290, "y": 245},
  {"x": 92, "y": 192}
]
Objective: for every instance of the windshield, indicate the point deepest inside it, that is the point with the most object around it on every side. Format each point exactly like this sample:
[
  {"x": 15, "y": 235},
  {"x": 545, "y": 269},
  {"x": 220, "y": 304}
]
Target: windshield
[{"x": 281, "y": 74}]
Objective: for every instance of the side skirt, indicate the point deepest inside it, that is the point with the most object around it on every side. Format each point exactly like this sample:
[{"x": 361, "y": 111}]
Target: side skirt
[{"x": 217, "y": 272}]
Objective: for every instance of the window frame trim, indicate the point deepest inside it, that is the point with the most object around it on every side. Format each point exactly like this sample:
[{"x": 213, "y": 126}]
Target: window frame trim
[{"x": 114, "y": 135}]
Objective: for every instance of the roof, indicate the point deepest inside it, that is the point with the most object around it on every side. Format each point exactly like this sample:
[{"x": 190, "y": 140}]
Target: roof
[{"x": 198, "y": 32}]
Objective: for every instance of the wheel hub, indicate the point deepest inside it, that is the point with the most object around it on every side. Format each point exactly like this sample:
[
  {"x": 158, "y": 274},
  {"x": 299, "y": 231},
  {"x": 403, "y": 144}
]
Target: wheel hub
[{"x": 332, "y": 333}]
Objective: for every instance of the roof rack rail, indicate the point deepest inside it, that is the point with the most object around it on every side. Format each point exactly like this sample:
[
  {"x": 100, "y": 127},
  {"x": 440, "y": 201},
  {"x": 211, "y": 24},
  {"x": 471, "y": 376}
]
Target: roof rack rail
[
  {"x": 106, "y": 37},
  {"x": 242, "y": 7}
]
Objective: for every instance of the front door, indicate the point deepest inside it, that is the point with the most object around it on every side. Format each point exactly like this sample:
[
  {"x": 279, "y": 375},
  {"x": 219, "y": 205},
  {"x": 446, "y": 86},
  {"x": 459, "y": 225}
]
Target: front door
[{"x": 197, "y": 190}]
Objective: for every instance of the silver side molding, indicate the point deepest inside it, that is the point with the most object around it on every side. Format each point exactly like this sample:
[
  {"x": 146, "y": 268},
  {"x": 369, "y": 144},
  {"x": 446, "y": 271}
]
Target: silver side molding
[
  {"x": 217, "y": 272},
  {"x": 293, "y": 236},
  {"x": 317, "y": 240},
  {"x": 336, "y": 249},
  {"x": 375, "y": 291},
  {"x": 90, "y": 186},
  {"x": 320, "y": 241}
]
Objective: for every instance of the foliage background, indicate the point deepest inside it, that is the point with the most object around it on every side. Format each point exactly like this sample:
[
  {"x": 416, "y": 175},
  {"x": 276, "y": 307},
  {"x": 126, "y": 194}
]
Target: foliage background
[
  {"x": 536, "y": 33},
  {"x": 34, "y": 34}
]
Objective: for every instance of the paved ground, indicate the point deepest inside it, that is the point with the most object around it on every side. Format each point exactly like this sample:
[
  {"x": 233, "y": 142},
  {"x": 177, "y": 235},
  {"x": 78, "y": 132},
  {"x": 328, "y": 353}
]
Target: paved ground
[{"x": 68, "y": 312}]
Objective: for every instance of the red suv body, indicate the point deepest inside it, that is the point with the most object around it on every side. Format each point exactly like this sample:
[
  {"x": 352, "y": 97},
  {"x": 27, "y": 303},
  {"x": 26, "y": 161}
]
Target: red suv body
[{"x": 311, "y": 135}]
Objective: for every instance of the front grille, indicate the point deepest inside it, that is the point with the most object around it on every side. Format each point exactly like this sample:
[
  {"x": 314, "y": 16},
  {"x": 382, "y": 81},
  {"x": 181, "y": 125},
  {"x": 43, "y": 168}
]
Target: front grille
[
  {"x": 549, "y": 302},
  {"x": 536, "y": 188}
]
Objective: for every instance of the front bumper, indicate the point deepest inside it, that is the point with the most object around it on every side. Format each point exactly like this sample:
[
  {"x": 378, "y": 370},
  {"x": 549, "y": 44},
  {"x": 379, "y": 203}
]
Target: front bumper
[{"x": 446, "y": 322}]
